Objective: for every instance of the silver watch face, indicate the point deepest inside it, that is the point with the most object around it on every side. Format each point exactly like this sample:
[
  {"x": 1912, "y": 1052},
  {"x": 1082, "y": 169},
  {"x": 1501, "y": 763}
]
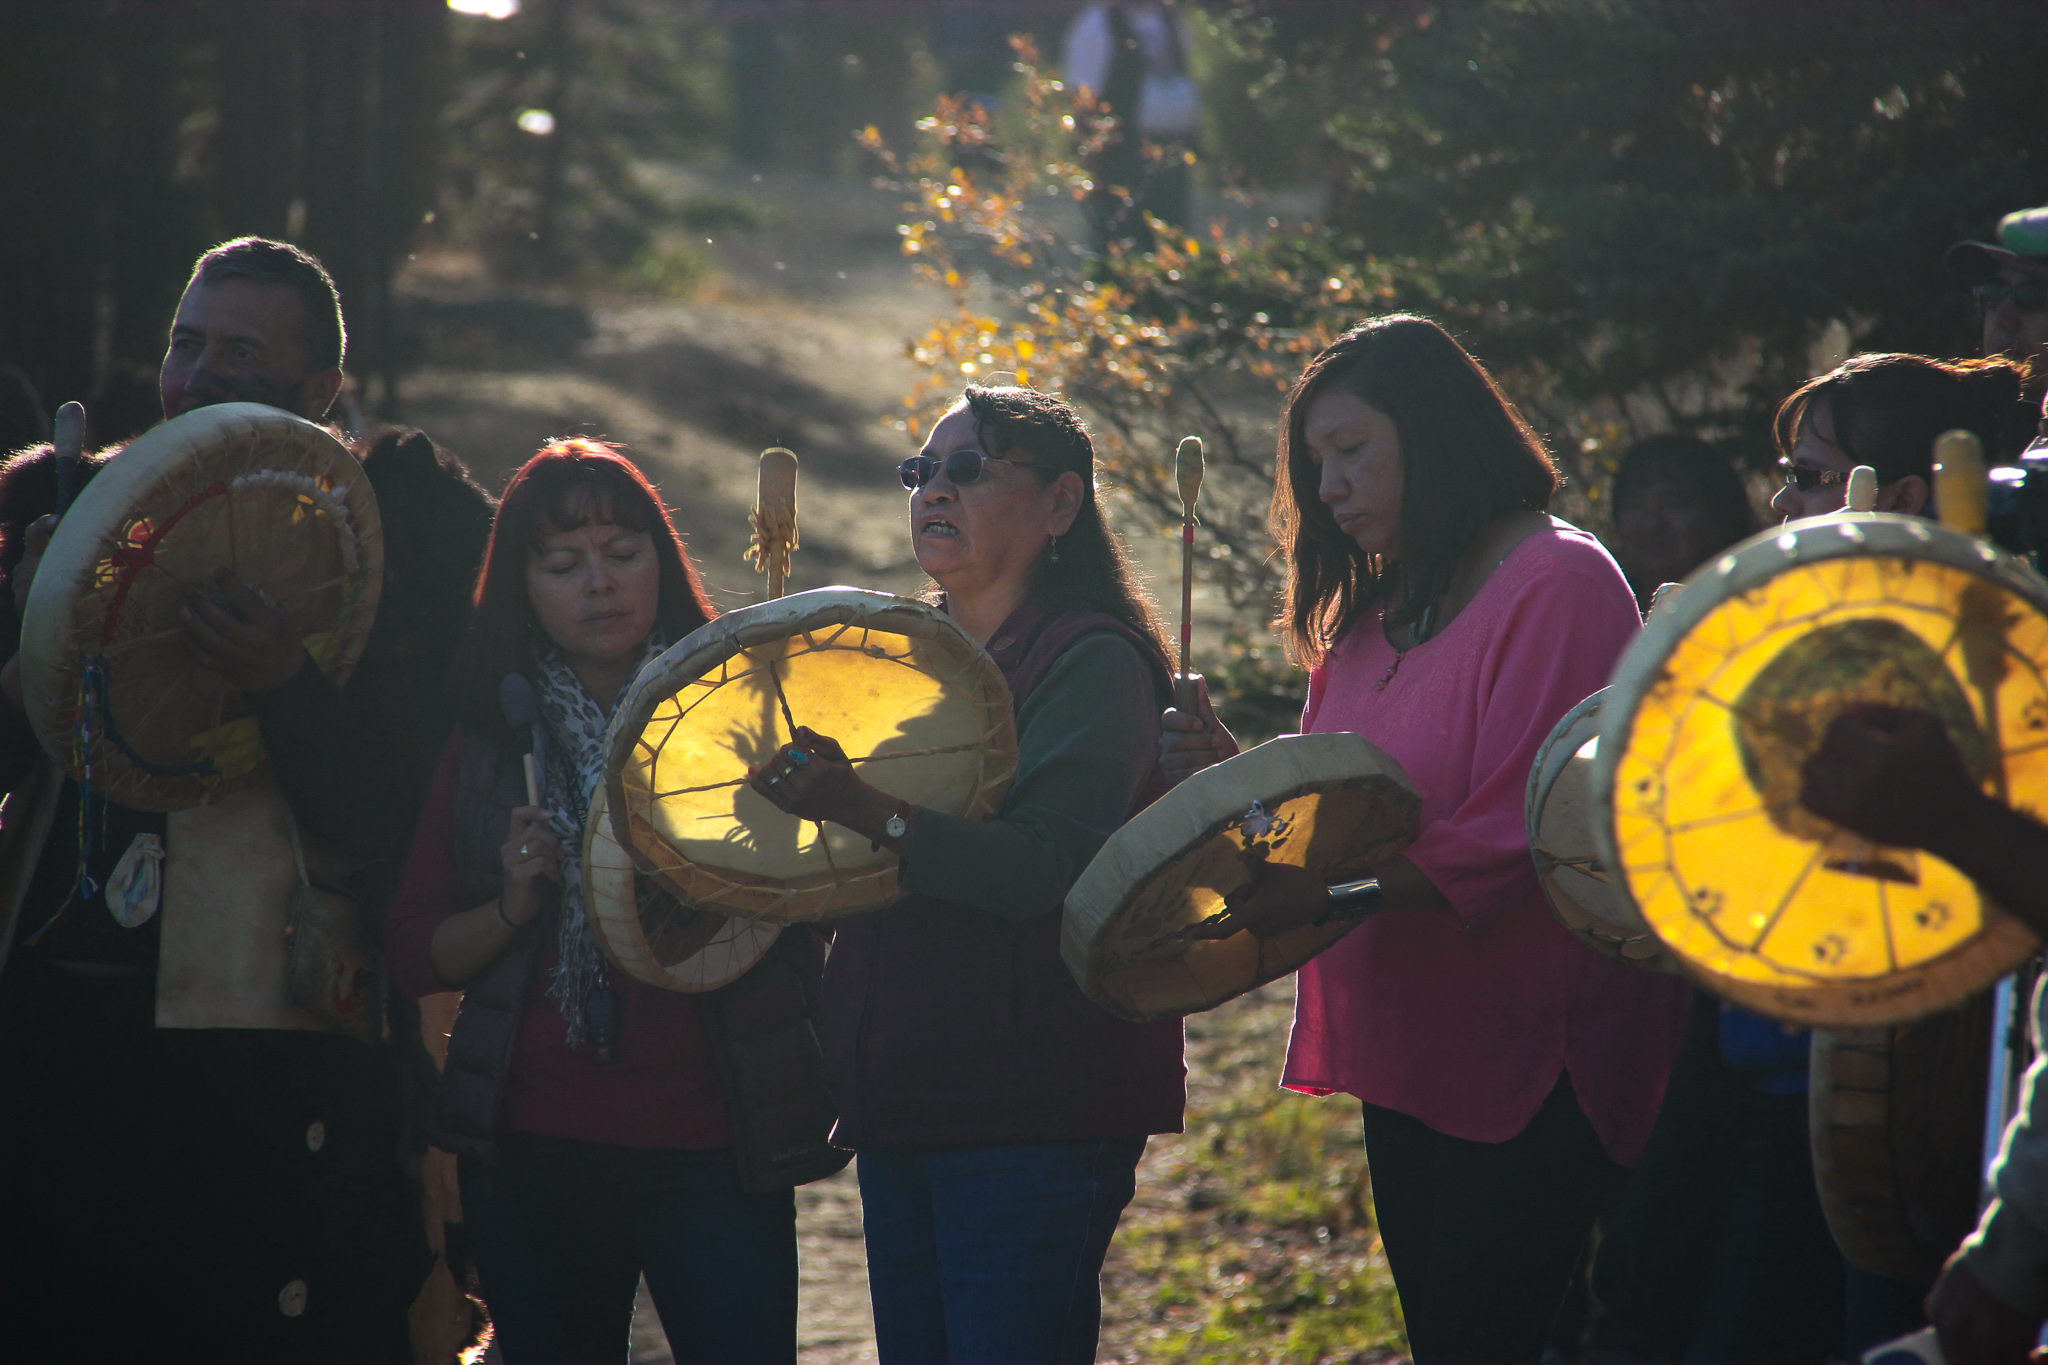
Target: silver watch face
[{"x": 896, "y": 826}]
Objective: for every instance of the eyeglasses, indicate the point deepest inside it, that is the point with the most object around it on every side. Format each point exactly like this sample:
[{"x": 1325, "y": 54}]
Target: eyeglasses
[
  {"x": 962, "y": 467},
  {"x": 2028, "y": 296},
  {"x": 1806, "y": 478}
]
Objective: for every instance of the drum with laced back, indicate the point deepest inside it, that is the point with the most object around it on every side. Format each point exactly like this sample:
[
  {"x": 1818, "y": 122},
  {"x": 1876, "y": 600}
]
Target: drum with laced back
[
  {"x": 1132, "y": 929},
  {"x": 1717, "y": 705},
  {"x": 921, "y": 708},
  {"x": 1576, "y": 882},
  {"x": 648, "y": 933},
  {"x": 109, "y": 685}
]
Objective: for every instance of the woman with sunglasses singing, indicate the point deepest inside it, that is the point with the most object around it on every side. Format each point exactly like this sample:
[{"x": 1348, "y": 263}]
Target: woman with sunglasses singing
[
  {"x": 998, "y": 1114},
  {"x": 1885, "y": 411}
]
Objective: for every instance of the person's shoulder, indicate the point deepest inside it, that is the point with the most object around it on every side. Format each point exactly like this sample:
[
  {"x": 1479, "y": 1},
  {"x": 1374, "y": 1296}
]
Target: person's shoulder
[
  {"x": 1560, "y": 550},
  {"x": 1104, "y": 663},
  {"x": 1562, "y": 566}
]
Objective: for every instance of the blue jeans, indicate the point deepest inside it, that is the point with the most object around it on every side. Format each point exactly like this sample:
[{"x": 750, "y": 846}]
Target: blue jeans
[
  {"x": 562, "y": 1231},
  {"x": 992, "y": 1255}
]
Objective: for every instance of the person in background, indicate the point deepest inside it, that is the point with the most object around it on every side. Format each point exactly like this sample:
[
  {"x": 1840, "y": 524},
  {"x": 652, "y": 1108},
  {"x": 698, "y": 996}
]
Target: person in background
[
  {"x": 998, "y": 1112},
  {"x": 1507, "y": 1072},
  {"x": 1676, "y": 503},
  {"x": 1885, "y": 410},
  {"x": 2009, "y": 282},
  {"x": 606, "y": 1129},
  {"x": 1991, "y": 1300},
  {"x": 1131, "y": 57}
]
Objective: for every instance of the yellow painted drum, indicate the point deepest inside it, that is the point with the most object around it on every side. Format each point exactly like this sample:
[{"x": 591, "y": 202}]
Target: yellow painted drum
[
  {"x": 921, "y": 709},
  {"x": 108, "y": 682},
  {"x": 1722, "y": 698}
]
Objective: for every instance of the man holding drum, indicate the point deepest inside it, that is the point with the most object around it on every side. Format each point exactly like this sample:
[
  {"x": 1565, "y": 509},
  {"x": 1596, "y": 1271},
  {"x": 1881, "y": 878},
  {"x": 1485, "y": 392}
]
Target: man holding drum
[{"x": 213, "y": 1192}]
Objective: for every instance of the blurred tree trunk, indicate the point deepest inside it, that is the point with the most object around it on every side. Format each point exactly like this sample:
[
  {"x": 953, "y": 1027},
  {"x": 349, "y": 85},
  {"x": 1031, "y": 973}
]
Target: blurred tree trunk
[
  {"x": 558, "y": 53},
  {"x": 260, "y": 58}
]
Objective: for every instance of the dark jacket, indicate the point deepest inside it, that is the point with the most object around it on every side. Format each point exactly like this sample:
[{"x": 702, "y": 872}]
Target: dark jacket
[
  {"x": 947, "y": 1024},
  {"x": 769, "y": 1060}
]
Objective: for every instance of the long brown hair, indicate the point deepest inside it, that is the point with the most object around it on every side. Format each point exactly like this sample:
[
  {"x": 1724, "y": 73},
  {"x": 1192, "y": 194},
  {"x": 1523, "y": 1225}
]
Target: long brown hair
[
  {"x": 1887, "y": 408},
  {"x": 570, "y": 483},
  {"x": 1467, "y": 458},
  {"x": 1093, "y": 568}
]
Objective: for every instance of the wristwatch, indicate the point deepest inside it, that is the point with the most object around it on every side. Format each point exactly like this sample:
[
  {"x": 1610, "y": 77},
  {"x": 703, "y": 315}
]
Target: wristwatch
[{"x": 898, "y": 823}]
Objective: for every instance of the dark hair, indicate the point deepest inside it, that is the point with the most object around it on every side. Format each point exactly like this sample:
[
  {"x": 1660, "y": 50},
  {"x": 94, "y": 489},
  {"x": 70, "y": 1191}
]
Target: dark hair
[
  {"x": 436, "y": 522},
  {"x": 1887, "y": 409},
  {"x": 570, "y": 483},
  {"x": 267, "y": 262},
  {"x": 1467, "y": 458},
  {"x": 1695, "y": 470},
  {"x": 1093, "y": 569}
]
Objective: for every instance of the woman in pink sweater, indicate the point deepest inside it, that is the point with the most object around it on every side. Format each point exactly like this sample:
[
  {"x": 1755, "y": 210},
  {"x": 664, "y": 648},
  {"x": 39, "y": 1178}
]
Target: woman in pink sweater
[{"x": 1508, "y": 1073}]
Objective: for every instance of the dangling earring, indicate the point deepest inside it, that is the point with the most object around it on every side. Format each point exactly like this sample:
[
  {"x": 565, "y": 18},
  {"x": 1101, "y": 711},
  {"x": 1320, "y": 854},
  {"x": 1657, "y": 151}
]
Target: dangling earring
[{"x": 1055, "y": 555}]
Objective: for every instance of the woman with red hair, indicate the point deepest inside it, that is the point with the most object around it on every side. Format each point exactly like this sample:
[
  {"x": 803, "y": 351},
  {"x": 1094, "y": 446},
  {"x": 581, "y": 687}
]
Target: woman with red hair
[{"x": 603, "y": 1126}]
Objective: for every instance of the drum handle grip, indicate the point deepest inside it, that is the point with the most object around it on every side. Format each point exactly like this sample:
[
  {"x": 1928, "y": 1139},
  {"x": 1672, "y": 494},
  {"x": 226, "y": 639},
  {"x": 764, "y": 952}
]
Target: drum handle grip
[{"x": 1352, "y": 900}]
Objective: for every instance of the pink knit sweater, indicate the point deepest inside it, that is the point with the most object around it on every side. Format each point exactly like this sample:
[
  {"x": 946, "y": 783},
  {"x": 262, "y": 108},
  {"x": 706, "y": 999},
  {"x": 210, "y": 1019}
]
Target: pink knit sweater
[{"x": 1464, "y": 1019}]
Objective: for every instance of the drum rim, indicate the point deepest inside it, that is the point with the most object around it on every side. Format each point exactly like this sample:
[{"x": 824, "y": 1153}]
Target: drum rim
[
  {"x": 1597, "y": 932},
  {"x": 760, "y": 623},
  {"x": 1102, "y": 874},
  {"x": 1849, "y": 1002},
  {"x": 646, "y": 969},
  {"x": 104, "y": 502}
]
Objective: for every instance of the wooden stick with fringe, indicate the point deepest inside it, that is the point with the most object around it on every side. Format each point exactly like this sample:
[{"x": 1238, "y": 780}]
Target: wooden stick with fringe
[{"x": 775, "y": 518}]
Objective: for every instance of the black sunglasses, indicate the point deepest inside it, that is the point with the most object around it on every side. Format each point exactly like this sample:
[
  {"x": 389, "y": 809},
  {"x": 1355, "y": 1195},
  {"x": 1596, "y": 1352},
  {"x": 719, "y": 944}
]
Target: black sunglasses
[
  {"x": 962, "y": 467},
  {"x": 1806, "y": 478},
  {"x": 2028, "y": 296}
]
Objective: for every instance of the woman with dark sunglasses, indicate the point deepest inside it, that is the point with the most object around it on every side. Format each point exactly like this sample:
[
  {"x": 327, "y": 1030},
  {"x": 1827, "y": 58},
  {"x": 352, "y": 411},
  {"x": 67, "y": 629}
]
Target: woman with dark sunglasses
[
  {"x": 1885, "y": 410},
  {"x": 999, "y": 1115}
]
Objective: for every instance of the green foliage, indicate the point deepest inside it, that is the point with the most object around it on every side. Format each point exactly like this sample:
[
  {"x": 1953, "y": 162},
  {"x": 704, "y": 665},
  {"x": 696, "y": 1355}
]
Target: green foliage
[
  {"x": 1652, "y": 198},
  {"x": 1191, "y": 337}
]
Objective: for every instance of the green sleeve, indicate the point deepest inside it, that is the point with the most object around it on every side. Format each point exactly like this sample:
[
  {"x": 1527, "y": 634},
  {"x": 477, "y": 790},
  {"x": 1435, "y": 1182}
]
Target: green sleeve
[{"x": 1086, "y": 739}]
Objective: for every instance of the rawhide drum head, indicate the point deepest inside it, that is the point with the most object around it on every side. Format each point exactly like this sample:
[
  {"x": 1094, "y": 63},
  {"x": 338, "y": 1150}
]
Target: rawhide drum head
[
  {"x": 1332, "y": 803},
  {"x": 1719, "y": 702},
  {"x": 918, "y": 705},
  {"x": 109, "y": 683}
]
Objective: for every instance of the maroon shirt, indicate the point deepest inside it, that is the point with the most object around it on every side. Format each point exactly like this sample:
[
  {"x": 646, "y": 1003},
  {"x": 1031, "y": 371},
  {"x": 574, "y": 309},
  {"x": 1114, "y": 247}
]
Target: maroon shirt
[{"x": 661, "y": 1088}]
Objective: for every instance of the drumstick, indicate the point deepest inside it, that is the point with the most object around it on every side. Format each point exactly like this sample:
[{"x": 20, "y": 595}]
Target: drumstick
[
  {"x": 520, "y": 705},
  {"x": 1962, "y": 491},
  {"x": 1861, "y": 495},
  {"x": 775, "y": 517},
  {"x": 70, "y": 451},
  {"x": 1962, "y": 496},
  {"x": 1187, "y": 472}
]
